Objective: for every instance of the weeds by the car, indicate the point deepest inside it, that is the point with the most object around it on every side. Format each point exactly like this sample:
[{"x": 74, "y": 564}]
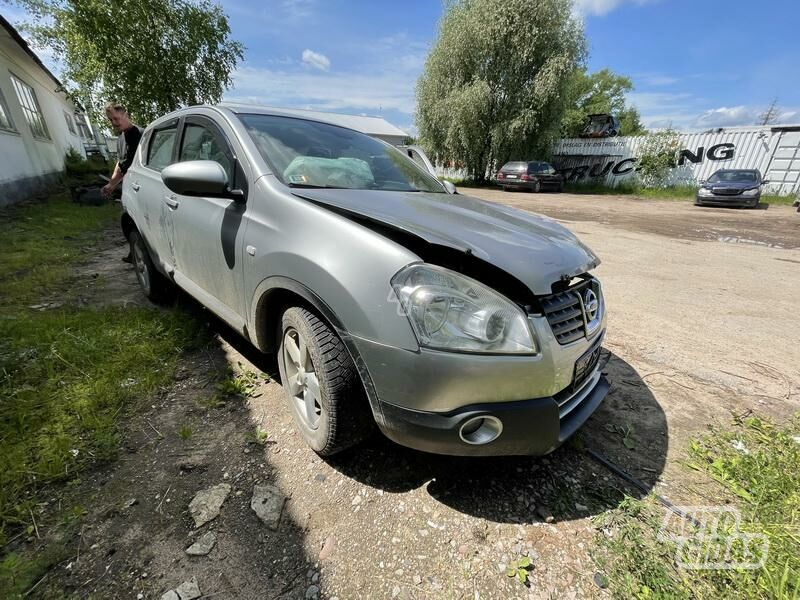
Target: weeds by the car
[
  {"x": 757, "y": 463},
  {"x": 241, "y": 383}
]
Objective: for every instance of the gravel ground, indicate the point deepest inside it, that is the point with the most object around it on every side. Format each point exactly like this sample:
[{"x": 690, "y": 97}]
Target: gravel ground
[{"x": 702, "y": 320}]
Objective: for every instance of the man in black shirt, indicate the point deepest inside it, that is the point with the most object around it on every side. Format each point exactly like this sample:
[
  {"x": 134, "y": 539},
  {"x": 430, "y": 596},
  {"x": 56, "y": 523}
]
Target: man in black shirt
[{"x": 127, "y": 143}]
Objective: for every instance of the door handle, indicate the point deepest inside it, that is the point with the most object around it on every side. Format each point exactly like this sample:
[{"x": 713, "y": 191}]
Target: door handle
[
  {"x": 171, "y": 201},
  {"x": 135, "y": 187}
]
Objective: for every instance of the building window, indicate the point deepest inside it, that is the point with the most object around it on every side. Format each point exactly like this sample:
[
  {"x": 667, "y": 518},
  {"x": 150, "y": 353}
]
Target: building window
[
  {"x": 70, "y": 122},
  {"x": 30, "y": 108},
  {"x": 83, "y": 126},
  {"x": 5, "y": 117}
]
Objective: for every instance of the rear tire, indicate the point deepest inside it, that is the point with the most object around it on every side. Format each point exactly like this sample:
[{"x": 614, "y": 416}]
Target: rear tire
[
  {"x": 155, "y": 286},
  {"x": 537, "y": 187},
  {"x": 325, "y": 394}
]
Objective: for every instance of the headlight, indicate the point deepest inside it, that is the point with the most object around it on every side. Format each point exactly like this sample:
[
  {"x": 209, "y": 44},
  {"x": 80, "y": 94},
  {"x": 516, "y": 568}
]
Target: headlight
[
  {"x": 706, "y": 192},
  {"x": 751, "y": 192},
  {"x": 449, "y": 311}
]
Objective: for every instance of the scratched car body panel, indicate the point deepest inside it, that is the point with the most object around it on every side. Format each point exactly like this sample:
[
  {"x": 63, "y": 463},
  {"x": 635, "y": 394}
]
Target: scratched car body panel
[{"x": 456, "y": 325}]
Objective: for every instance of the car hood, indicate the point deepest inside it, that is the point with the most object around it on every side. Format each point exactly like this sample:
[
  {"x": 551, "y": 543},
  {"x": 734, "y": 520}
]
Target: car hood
[
  {"x": 733, "y": 185},
  {"x": 533, "y": 248}
]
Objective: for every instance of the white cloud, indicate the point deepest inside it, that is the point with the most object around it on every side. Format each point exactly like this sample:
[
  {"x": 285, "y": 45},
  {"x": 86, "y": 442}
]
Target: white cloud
[
  {"x": 664, "y": 109},
  {"x": 655, "y": 79},
  {"x": 316, "y": 60},
  {"x": 381, "y": 82},
  {"x": 790, "y": 116},
  {"x": 602, "y": 7},
  {"x": 298, "y": 9},
  {"x": 727, "y": 117},
  {"x": 381, "y": 91}
]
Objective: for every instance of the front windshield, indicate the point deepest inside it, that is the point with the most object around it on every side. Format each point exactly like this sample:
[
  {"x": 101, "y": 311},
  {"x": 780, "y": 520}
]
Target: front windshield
[
  {"x": 733, "y": 177},
  {"x": 307, "y": 154}
]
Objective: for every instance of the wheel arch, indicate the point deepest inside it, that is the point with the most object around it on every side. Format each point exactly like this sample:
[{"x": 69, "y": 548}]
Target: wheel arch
[{"x": 278, "y": 293}]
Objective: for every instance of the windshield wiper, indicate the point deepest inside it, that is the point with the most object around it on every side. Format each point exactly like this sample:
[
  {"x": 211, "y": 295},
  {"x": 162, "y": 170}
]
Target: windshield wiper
[{"x": 316, "y": 187}]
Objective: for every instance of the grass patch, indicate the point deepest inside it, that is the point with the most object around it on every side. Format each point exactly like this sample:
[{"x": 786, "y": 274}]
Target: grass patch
[
  {"x": 41, "y": 241},
  {"x": 240, "y": 383},
  {"x": 67, "y": 377},
  {"x": 756, "y": 462},
  {"x": 632, "y": 560},
  {"x": 678, "y": 192},
  {"x": 779, "y": 200}
]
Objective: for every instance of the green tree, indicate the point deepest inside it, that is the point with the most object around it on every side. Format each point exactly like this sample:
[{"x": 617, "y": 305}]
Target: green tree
[
  {"x": 630, "y": 123},
  {"x": 154, "y": 56},
  {"x": 493, "y": 84},
  {"x": 602, "y": 92}
]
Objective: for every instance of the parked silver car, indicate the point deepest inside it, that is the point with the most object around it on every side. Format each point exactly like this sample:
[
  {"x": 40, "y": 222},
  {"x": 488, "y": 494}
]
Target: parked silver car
[{"x": 457, "y": 325}]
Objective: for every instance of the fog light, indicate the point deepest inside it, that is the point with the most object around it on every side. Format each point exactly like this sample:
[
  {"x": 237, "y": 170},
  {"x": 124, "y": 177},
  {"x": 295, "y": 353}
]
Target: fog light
[{"x": 481, "y": 430}]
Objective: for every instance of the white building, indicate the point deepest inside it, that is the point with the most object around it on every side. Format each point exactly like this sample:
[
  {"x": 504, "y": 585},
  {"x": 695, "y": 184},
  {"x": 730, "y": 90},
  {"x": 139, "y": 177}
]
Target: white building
[
  {"x": 38, "y": 121},
  {"x": 773, "y": 150}
]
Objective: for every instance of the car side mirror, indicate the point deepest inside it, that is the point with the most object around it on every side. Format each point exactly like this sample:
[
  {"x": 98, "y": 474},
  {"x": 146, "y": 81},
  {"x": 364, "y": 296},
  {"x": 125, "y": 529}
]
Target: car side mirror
[
  {"x": 702, "y": 182},
  {"x": 764, "y": 181},
  {"x": 196, "y": 178},
  {"x": 451, "y": 189}
]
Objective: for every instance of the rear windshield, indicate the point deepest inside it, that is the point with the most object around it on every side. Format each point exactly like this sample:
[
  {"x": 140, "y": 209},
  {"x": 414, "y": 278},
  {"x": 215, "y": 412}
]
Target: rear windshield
[
  {"x": 515, "y": 166},
  {"x": 734, "y": 177},
  {"x": 309, "y": 154}
]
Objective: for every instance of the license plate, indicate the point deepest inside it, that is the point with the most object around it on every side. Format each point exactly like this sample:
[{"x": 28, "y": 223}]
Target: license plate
[
  {"x": 511, "y": 176},
  {"x": 585, "y": 365}
]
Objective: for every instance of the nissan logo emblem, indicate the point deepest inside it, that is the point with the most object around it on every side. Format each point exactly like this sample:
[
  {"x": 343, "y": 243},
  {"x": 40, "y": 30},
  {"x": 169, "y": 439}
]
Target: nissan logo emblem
[{"x": 591, "y": 305}]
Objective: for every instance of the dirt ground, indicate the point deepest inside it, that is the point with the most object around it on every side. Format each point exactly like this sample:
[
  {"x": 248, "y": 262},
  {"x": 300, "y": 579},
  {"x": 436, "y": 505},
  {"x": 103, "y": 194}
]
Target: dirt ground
[{"x": 703, "y": 320}]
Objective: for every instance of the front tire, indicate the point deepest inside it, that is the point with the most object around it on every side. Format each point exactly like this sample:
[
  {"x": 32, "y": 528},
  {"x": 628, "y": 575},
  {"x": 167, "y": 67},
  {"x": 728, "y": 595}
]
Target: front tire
[
  {"x": 155, "y": 286},
  {"x": 325, "y": 394}
]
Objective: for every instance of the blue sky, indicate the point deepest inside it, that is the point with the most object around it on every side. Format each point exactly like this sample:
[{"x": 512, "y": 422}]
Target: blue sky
[{"x": 695, "y": 64}]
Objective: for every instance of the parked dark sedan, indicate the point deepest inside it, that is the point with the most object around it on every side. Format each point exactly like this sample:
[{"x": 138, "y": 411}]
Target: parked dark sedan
[
  {"x": 731, "y": 187},
  {"x": 534, "y": 176}
]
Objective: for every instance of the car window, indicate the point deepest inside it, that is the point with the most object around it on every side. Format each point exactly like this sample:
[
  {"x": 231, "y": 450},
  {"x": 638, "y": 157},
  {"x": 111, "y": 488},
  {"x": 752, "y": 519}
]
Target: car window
[
  {"x": 306, "y": 153},
  {"x": 733, "y": 177},
  {"x": 541, "y": 169},
  {"x": 162, "y": 142},
  {"x": 200, "y": 143},
  {"x": 514, "y": 166}
]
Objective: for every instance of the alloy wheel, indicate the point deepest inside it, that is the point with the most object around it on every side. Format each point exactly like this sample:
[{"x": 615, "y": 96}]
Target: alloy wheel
[{"x": 302, "y": 382}]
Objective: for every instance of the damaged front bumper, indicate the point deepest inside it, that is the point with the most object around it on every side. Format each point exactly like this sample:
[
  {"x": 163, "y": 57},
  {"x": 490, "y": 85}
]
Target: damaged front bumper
[
  {"x": 526, "y": 427},
  {"x": 482, "y": 405}
]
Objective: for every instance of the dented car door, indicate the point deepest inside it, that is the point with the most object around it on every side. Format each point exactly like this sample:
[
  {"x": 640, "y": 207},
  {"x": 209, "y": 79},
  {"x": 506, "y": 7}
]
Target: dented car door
[{"x": 208, "y": 231}]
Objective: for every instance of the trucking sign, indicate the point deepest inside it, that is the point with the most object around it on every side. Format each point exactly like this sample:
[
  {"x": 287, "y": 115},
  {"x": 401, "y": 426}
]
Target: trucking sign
[{"x": 775, "y": 151}]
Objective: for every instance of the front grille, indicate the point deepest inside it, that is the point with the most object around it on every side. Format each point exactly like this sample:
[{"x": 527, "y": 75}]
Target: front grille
[
  {"x": 726, "y": 191},
  {"x": 566, "y": 313}
]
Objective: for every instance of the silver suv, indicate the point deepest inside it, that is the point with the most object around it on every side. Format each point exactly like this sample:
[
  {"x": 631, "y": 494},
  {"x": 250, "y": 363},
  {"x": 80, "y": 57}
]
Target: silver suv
[{"x": 456, "y": 325}]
